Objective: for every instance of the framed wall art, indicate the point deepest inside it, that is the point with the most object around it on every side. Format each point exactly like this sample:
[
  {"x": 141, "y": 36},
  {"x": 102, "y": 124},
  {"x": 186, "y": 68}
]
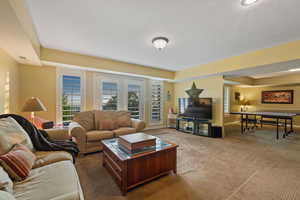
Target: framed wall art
[{"x": 277, "y": 97}]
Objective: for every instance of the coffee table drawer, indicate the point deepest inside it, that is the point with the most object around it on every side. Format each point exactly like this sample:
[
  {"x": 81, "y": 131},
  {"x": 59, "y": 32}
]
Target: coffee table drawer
[{"x": 115, "y": 167}]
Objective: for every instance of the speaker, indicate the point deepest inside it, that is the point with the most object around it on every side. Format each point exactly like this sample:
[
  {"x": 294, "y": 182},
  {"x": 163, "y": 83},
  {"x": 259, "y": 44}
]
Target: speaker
[{"x": 216, "y": 131}]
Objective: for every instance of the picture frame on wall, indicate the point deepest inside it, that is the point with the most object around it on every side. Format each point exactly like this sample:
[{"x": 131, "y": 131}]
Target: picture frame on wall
[
  {"x": 237, "y": 96},
  {"x": 277, "y": 97}
]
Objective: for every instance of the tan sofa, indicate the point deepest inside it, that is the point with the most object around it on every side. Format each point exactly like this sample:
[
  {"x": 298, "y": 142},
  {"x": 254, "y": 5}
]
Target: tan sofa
[
  {"x": 89, "y": 128},
  {"x": 53, "y": 176}
]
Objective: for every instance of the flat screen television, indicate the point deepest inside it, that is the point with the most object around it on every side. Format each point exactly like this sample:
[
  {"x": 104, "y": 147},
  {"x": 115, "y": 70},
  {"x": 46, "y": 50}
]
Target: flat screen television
[{"x": 201, "y": 109}]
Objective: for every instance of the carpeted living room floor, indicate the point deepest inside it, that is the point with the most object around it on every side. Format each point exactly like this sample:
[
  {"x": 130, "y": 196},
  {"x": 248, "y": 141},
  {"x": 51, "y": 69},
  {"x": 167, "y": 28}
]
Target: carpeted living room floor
[{"x": 238, "y": 167}]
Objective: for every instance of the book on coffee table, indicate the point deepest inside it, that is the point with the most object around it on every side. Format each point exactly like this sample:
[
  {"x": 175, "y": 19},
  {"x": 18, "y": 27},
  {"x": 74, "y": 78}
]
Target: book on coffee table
[{"x": 133, "y": 143}]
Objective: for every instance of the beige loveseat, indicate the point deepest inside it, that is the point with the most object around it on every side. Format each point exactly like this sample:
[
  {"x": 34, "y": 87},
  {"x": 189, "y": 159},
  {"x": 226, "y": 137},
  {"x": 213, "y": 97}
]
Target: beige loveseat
[
  {"x": 90, "y": 127},
  {"x": 53, "y": 175}
]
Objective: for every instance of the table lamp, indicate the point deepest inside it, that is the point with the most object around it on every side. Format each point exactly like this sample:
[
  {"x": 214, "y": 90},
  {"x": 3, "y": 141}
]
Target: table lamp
[
  {"x": 32, "y": 105},
  {"x": 244, "y": 104}
]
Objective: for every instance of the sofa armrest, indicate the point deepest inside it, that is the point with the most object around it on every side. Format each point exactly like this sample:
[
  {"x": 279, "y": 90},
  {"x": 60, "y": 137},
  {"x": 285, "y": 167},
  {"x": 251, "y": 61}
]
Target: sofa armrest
[
  {"x": 58, "y": 133},
  {"x": 139, "y": 125},
  {"x": 79, "y": 133}
]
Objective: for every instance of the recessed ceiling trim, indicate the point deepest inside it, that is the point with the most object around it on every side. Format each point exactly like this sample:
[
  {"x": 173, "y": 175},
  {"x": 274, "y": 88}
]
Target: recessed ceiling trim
[{"x": 55, "y": 64}]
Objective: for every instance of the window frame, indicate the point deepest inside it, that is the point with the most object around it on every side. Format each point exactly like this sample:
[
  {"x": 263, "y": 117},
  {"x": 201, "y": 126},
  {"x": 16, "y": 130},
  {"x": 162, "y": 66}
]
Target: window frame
[
  {"x": 160, "y": 122},
  {"x": 141, "y": 83},
  {"x": 98, "y": 91},
  {"x": 60, "y": 72},
  {"x": 123, "y": 82}
]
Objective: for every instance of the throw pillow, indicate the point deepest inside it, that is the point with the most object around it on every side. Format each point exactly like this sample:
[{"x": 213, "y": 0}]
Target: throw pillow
[
  {"x": 18, "y": 162},
  {"x": 124, "y": 119},
  {"x": 108, "y": 124},
  {"x": 14, "y": 132},
  {"x": 6, "y": 183},
  {"x": 6, "y": 196},
  {"x": 86, "y": 120}
]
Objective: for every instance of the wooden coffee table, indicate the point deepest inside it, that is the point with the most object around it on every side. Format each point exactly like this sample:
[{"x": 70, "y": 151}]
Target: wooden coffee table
[{"x": 131, "y": 170}]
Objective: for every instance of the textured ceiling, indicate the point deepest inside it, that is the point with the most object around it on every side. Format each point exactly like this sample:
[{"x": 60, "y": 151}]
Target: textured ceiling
[{"x": 200, "y": 31}]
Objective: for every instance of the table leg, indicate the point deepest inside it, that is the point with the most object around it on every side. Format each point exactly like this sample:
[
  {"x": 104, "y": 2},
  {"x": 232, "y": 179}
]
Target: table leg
[
  {"x": 277, "y": 123},
  {"x": 285, "y": 128},
  {"x": 247, "y": 122},
  {"x": 242, "y": 124}
]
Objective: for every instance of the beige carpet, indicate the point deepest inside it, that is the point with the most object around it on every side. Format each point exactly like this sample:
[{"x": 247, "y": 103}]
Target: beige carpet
[{"x": 248, "y": 167}]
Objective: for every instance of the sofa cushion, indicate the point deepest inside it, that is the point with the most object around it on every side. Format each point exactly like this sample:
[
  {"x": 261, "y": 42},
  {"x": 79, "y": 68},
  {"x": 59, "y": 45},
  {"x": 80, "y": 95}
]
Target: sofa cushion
[
  {"x": 6, "y": 183},
  {"x": 18, "y": 162},
  {"x": 99, "y": 135},
  {"x": 55, "y": 181},
  {"x": 85, "y": 119},
  {"x": 103, "y": 115},
  {"x": 14, "y": 133},
  {"x": 49, "y": 157},
  {"x": 123, "y": 118},
  {"x": 6, "y": 196},
  {"x": 124, "y": 131},
  {"x": 108, "y": 124}
]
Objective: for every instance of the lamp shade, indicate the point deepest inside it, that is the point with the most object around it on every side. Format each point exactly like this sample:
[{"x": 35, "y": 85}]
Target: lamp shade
[
  {"x": 33, "y": 104},
  {"x": 245, "y": 102}
]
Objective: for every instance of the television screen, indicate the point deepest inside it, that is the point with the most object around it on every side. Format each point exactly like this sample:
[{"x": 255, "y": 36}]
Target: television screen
[{"x": 201, "y": 109}]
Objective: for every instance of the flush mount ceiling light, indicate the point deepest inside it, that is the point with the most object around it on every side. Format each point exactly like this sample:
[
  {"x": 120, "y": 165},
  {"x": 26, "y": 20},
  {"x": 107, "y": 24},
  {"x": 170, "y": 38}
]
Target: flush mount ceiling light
[
  {"x": 160, "y": 42},
  {"x": 248, "y": 2},
  {"x": 294, "y": 70}
]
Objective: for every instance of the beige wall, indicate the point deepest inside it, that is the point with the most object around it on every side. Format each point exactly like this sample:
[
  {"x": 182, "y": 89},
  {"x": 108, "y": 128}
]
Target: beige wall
[
  {"x": 9, "y": 77},
  {"x": 40, "y": 81},
  {"x": 280, "y": 53},
  {"x": 253, "y": 94},
  {"x": 213, "y": 87},
  {"x": 56, "y": 56}
]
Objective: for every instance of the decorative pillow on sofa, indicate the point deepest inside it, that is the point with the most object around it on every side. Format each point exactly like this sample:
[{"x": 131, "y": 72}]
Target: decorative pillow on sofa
[
  {"x": 86, "y": 120},
  {"x": 108, "y": 124},
  {"x": 124, "y": 119},
  {"x": 14, "y": 133},
  {"x": 18, "y": 162}
]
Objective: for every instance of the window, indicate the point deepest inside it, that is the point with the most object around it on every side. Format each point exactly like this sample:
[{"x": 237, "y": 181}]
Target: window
[
  {"x": 70, "y": 94},
  {"x": 134, "y": 100},
  {"x": 109, "y": 95},
  {"x": 226, "y": 99},
  {"x": 71, "y": 97},
  {"x": 156, "y": 101}
]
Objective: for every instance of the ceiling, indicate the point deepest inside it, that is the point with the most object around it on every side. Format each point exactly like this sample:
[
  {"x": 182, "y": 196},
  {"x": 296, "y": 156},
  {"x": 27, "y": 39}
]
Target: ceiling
[{"x": 200, "y": 31}]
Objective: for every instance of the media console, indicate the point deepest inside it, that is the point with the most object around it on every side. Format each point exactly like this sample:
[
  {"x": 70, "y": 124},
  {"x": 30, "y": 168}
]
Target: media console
[{"x": 198, "y": 127}]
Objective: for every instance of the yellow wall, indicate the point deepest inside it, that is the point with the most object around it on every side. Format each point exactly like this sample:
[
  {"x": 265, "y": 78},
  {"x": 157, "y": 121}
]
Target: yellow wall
[
  {"x": 281, "y": 53},
  {"x": 253, "y": 94},
  {"x": 213, "y": 87},
  {"x": 293, "y": 78},
  {"x": 9, "y": 90},
  {"x": 62, "y": 57},
  {"x": 39, "y": 81}
]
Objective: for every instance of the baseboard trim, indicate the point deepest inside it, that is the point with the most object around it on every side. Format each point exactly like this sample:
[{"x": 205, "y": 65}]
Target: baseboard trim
[{"x": 154, "y": 127}]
